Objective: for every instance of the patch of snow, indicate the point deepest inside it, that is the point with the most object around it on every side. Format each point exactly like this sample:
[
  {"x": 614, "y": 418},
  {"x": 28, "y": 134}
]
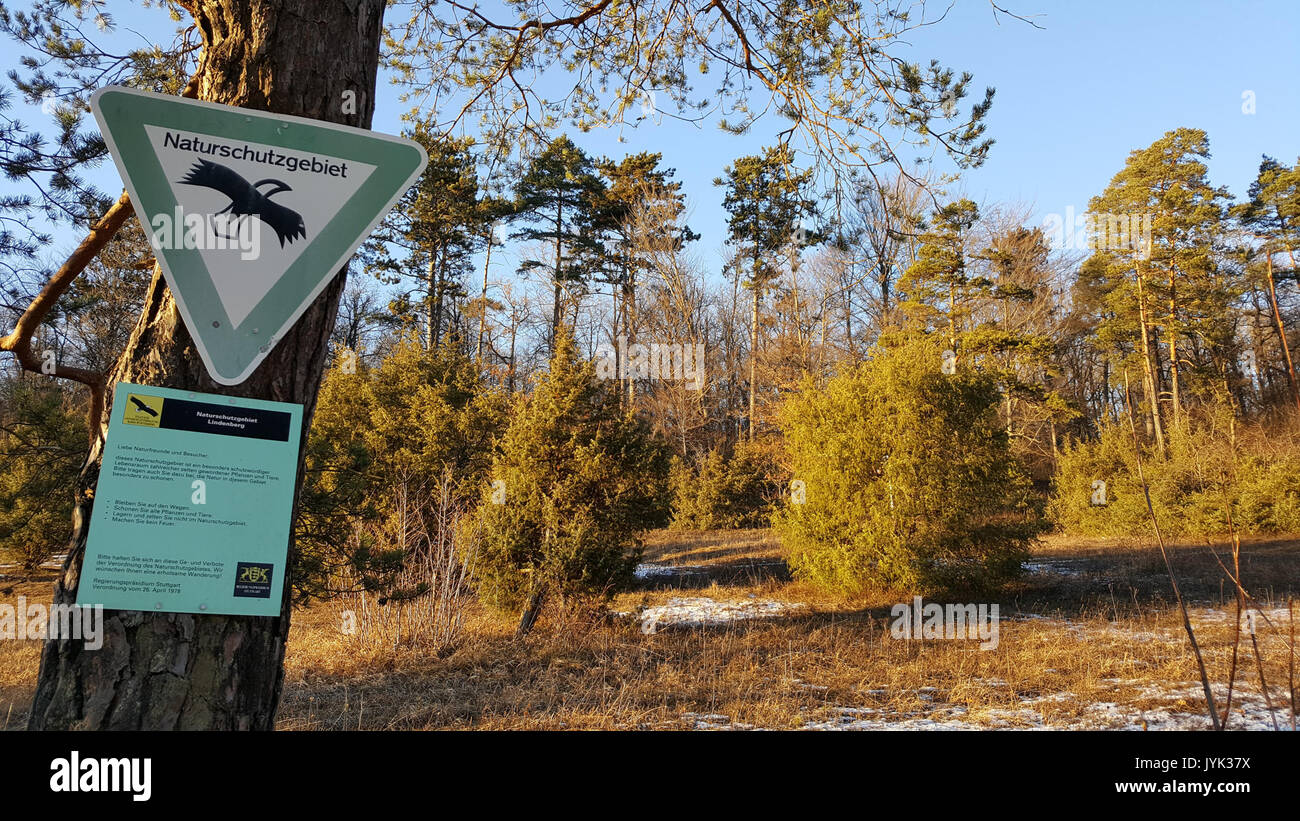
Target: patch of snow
[
  {"x": 1277, "y": 616},
  {"x": 713, "y": 721},
  {"x": 661, "y": 571},
  {"x": 1180, "y": 710},
  {"x": 1059, "y": 568},
  {"x": 706, "y": 612}
]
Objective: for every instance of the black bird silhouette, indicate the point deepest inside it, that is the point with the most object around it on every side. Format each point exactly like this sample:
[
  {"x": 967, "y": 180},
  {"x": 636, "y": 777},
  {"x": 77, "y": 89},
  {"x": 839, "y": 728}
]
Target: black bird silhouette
[
  {"x": 247, "y": 201},
  {"x": 142, "y": 406}
]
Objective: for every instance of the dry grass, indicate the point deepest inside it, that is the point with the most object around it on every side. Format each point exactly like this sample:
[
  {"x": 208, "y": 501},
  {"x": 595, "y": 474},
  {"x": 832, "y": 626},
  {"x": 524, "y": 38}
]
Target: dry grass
[
  {"x": 711, "y": 547},
  {"x": 20, "y": 660},
  {"x": 1091, "y": 640}
]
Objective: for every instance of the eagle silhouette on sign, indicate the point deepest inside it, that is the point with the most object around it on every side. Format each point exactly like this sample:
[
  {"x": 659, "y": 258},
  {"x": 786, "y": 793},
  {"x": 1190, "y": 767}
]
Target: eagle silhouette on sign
[{"x": 246, "y": 200}]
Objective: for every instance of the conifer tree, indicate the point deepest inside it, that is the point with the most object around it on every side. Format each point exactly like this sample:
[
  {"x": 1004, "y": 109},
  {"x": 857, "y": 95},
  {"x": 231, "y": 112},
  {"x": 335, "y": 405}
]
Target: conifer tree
[
  {"x": 908, "y": 481},
  {"x": 555, "y": 199},
  {"x": 437, "y": 224},
  {"x": 1156, "y": 231},
  {"x": 766, "y": 201},
  {"x": 1272, "y": 214},
  {"x": 574, "y": 483},
  {"x": 938, "y": 286}
]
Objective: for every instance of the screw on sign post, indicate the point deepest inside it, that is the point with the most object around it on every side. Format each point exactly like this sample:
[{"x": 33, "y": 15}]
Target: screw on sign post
[{"x": 250, "y": 214}]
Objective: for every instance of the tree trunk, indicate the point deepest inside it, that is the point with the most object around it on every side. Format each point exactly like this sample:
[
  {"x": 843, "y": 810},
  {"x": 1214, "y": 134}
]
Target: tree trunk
[
  {"x": 428, "y": 307},
  {"x": 1172, "y": 332},
  {"x": 1281, "y": 334},
  {"x": 177, "y": 670},
  {"x": 439, "y": 291},
  {"x": 482, "y": 316},
  {"x": 629, "y": 323},
  {"x": 753, "y": 362},
  {"x": 952, "y": 321},
  {"x": 559, "y": 273},
  {"x": 1149, "y": 375},
  {"x": 885, "y": 309},
  {"x": 531, "y": 611}
]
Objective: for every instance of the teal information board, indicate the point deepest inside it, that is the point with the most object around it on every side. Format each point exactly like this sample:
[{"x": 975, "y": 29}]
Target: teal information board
[{"x": 193, "y": 507}]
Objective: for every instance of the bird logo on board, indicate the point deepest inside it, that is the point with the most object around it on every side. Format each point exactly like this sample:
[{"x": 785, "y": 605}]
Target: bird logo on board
[
  {"x": 247, "y": 200},
  {"x": 142, "y": 411},
  {"x": 253, "y": 580}
]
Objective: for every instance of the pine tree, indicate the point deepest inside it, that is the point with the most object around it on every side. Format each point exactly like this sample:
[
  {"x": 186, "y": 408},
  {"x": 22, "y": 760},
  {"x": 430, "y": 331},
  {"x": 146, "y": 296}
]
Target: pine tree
[
  {"x": 629, "y": 184},
  {"x": 555, "y": 199},
  {"x": 938, "y": 287},
  {"x": 1272, "y": 215},
  {"x": 1155, "y": 229},
  {"x": 1013, "y": 339},
  {"x": 766, "y": 201},
  {"x": 437, "y": 223}
]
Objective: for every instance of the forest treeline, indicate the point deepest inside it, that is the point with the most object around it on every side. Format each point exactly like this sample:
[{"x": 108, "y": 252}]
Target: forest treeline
[{"x": 1028, "y": 372}]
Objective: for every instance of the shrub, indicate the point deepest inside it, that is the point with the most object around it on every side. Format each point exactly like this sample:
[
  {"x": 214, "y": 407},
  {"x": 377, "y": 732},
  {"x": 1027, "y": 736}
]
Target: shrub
[
  {"x": 577, "y": 481},
  {"x": 1202, "y": 476},
  {"x": 379, "y": 438},
  {"x": 726, "y": 490},
  {"x": 43, "y": 440},
  {"x": 908, "y": 479}
]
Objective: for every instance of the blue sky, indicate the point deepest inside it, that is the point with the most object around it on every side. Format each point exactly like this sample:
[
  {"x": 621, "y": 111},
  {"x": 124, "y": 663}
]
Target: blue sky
[{"x": 1098, "y": 80}]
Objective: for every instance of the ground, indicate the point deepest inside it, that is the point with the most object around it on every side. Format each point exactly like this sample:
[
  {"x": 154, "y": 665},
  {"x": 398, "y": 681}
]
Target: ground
[{"x": 717, "y": 636}]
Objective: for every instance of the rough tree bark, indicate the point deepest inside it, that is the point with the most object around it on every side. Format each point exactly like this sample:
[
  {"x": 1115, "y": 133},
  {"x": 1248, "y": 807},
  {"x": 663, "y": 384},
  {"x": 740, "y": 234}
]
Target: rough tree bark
[{"x": 181, "y": 671}]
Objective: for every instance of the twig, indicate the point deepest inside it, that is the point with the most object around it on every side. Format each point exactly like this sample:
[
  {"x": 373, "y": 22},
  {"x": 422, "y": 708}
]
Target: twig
[
  {"x": 1169, "y": 568},
  {"x": 1236, "y": 639},
  {"x": 1290, "y": 672}
]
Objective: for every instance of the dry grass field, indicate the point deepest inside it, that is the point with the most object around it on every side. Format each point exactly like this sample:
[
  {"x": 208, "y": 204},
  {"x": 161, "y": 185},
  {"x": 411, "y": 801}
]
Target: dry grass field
[{"x": 718, "y": 637}]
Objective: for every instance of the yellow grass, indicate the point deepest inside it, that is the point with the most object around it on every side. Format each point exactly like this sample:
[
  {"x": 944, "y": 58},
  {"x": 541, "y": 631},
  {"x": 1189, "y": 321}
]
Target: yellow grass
[{"x": 1106, "y": 649}]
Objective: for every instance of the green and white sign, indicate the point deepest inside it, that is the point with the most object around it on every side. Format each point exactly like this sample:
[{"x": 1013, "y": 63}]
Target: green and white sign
[
  {"x": 192, "y": 511},
  {"x": 250, "y": 214}
]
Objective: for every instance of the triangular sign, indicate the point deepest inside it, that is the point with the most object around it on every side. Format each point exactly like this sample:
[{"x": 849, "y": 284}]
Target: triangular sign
[{"x": 250, "y": 214}]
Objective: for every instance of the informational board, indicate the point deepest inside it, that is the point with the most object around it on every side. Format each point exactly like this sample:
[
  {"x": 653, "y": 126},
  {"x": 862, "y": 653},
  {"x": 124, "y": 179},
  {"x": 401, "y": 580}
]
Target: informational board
[
  {"x": 250, "y": 214},
  {"x": 192, "y": 510}
]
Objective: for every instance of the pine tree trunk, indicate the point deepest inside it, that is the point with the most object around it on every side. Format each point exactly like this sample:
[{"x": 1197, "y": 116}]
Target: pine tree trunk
[
  {"x": 438, "y": 288},
  {"x": 559, "y": 274},
  {"x": 428, "y": 307},
  {"x": 885, "y": 309},
  {"x": 1281, "y": 334},
  {"x": 1177, "y": 400},
  {"x": 182, "y": 671},
  {"x": 1152, "y": 386},
  {"x": 482, "y": 316},
  {"x": 753, "y": 361}
]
